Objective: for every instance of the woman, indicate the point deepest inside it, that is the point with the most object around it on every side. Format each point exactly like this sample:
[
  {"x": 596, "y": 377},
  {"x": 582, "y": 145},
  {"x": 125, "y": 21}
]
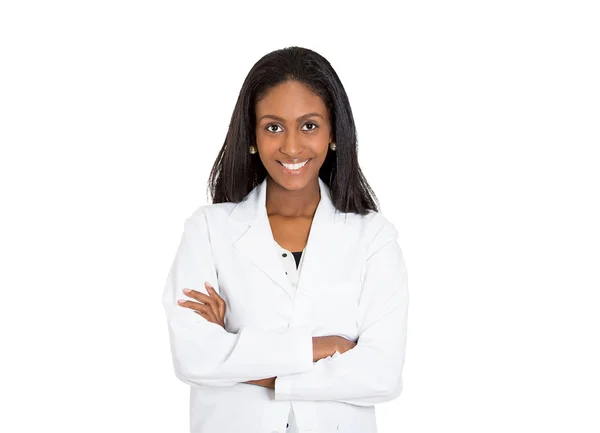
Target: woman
[{"x": 287, "y": 299}]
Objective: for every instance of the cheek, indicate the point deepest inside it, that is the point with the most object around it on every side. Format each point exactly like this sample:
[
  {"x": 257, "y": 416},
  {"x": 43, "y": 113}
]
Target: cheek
[{"x": 267, "y": 143}]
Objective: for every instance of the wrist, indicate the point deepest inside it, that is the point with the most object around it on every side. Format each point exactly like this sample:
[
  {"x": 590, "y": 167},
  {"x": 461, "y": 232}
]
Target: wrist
[{"x": 323, "y": 347}]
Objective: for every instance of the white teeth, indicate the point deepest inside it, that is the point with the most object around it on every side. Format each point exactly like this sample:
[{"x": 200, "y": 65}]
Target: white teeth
[{"x": 294, "y": 166}]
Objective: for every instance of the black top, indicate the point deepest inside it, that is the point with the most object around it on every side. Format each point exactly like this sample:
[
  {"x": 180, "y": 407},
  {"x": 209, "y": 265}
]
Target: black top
[{"x": 297, "y": 257}]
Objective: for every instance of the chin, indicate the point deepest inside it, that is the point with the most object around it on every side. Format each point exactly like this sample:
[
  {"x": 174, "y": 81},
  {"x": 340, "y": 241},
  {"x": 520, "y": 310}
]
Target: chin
[{"x": 292, "y": 184}]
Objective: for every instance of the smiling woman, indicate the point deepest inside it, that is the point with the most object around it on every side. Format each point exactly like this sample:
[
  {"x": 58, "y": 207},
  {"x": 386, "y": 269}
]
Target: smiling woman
[
  {"x": 293, "y": 143},
  {"x": 287, "y": 300}
]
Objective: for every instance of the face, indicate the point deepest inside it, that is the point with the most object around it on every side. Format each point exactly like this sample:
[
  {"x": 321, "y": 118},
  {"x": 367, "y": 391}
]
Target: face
[{"x": 292, "y": 126}]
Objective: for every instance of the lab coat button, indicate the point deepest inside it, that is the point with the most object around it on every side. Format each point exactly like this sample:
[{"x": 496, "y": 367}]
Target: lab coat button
[{"x": 284, "y": 255}]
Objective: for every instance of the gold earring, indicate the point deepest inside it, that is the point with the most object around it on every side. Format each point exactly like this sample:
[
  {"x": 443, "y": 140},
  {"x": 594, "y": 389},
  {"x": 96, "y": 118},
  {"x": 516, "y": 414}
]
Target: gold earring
[
  {"x": 332, "y": 145},
  {"x": 252, "y": 149}
]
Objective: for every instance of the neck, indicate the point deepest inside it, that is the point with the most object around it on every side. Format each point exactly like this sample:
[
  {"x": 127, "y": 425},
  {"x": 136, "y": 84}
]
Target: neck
[{"x": 280, "y": 201}]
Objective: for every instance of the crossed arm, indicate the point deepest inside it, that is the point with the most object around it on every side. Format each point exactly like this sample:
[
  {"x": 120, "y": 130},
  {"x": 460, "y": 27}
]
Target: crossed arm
[
  {"x": 367, "y": 373},
  {"x": 212, "y": 307}
]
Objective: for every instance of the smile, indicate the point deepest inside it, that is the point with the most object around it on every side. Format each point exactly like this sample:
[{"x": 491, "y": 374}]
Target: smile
[{"x": 294, "y": 168}]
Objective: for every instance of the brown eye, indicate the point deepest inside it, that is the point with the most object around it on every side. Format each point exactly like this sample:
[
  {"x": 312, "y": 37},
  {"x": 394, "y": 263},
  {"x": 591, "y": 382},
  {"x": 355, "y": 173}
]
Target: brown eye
[
  {"x": 313, "y": 126},
  {"x": 272, "y": 125}
]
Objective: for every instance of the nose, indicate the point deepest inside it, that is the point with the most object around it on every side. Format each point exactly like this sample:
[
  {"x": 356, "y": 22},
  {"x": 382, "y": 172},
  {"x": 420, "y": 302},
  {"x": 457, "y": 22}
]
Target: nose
[{"x": 291, "y": 145}]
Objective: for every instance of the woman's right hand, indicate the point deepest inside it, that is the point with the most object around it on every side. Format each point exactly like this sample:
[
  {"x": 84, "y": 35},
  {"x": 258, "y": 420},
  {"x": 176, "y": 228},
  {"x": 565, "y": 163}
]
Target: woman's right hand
[{"x": 327, "y": 345}]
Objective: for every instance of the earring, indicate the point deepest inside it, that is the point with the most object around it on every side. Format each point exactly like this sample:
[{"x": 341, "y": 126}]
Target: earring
[
  {"x": 252, "y": 149},
  {"x": 332, "y": 145}
]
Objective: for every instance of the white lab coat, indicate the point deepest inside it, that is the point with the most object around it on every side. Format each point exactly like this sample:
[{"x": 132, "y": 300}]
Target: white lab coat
[{"x": 353, "y": 283}]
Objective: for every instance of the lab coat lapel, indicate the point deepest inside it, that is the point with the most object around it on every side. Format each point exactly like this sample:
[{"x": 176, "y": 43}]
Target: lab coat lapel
[{"x": 253, "y": 237}]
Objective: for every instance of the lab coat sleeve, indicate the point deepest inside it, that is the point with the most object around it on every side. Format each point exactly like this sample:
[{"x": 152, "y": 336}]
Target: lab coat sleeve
[
  {"x": 205, "y": 354},
  {"x": 371, "y": 372}
]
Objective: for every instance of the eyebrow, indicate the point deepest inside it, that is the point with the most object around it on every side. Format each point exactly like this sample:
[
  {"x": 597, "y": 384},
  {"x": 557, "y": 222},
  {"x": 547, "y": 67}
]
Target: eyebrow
[{"x": 299, "y": 119}]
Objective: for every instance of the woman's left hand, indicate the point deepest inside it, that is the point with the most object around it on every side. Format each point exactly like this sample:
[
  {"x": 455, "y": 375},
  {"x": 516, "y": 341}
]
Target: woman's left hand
[{"x": 211, "y": 307}]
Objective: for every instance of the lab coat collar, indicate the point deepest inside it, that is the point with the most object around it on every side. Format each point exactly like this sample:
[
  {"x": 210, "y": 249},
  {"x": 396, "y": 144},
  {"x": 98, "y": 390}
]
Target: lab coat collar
[{"x": 256, "y": 242}]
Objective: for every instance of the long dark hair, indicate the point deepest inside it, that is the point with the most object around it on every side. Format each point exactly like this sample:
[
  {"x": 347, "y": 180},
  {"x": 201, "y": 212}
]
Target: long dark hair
[{"x": 236, "y": 171}]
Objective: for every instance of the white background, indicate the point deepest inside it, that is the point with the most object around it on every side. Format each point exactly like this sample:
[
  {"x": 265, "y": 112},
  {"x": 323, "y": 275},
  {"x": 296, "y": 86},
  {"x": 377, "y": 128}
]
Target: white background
[{"x": 478, "y": 129}]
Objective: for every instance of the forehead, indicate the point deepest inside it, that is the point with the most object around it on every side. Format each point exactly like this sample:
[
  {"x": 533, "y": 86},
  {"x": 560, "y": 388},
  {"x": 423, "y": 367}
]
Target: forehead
[{"x": 290, "y": 100}]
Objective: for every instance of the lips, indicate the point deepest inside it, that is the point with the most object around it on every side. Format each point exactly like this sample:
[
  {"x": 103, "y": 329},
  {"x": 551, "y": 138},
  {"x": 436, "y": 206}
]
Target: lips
[
  {"x": 295, "y": 170},
  {"x": 292, "y": 163}
]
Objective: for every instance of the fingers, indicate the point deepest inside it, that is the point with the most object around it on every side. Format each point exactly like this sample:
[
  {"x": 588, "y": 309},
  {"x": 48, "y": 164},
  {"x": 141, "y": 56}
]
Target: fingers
[
  {"x": 205, "y": 311},
  {"x": 206, "y": 316},
  {"x": 213, "y": 294},
  {"x": 198, "y": 296},
  {"x": 196, "y": 306},
  {"x": 216, "y": 302},
  {"x": 220, "y": 303},
  {"x": 211, "y": 307}
]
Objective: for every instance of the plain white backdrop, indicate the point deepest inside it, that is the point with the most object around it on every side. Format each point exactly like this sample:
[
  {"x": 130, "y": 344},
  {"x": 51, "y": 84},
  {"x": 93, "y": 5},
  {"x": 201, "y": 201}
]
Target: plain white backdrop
[{"x": 478, "y": 127}]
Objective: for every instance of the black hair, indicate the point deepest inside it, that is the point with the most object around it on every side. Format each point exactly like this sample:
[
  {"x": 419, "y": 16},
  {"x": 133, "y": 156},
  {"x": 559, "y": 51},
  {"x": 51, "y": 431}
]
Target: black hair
[{"x": 236, "y": 172}]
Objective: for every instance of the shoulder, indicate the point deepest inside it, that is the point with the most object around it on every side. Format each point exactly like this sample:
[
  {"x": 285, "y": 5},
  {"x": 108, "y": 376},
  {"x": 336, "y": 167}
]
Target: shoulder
[
  {"x": 369, "y": 225},
  {"x": 379, "y": 231},
  {"x": 372, "y": 230},
  {"x": 209, "y": 214}
]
